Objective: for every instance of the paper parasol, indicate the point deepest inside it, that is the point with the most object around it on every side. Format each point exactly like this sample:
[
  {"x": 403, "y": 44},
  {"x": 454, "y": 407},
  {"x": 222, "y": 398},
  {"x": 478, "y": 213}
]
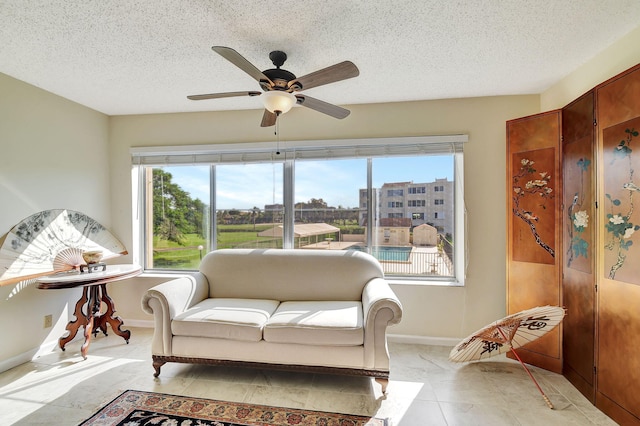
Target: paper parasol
[
  {"x": 52, "y": 241},
  {"x": 509, "y": 334}
]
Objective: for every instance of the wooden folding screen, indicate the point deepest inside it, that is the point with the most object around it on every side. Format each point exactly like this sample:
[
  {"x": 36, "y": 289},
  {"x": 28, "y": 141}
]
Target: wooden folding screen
[
  {"x": 579, "y": 224},
  {"x": 573, "y": 199},
  {"x": 618, "y": 252},
  {"x": 534, "y": 188}
]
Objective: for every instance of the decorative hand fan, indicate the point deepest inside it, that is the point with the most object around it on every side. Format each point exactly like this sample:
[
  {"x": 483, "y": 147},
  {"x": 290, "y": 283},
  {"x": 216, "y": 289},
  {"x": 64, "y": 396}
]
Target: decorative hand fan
[{"x": 52, "y": 241}]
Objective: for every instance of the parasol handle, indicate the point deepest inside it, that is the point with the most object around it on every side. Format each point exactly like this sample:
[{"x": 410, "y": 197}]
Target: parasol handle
[{"x": 546, "y": 398}]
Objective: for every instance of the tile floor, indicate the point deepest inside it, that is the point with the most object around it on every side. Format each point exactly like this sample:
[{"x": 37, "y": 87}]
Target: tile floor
[{"x": 425, "y": 389}]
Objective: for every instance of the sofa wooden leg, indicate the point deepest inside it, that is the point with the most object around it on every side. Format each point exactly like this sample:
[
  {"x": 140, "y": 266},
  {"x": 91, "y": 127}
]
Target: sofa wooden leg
[
  {"x": 383, "y": 383},
  {"x": 156, "y": 366}
]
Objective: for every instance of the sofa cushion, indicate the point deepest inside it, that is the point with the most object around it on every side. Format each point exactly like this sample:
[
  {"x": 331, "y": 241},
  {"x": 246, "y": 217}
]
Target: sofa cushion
[
  {"x": 335, "y": 323},
  {"x": 236, "y": 319}
]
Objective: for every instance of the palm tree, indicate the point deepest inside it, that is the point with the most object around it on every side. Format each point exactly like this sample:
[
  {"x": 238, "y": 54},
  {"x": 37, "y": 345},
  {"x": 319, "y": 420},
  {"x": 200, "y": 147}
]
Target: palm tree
[{"x": 255, "y": 212}]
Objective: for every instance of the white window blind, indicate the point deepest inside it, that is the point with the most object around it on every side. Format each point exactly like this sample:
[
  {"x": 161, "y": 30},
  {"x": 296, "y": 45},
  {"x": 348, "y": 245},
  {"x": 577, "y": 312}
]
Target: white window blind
[{"x": 266, "y": 151}]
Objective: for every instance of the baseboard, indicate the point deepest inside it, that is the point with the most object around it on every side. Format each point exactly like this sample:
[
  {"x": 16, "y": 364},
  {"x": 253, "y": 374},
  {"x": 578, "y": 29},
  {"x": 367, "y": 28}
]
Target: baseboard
[
  {"x": 15, "y": 361},
  {"x": 27, "y": 356},
  {"x": 423, "y": 340},
  {"x": 138, "y": 323}
]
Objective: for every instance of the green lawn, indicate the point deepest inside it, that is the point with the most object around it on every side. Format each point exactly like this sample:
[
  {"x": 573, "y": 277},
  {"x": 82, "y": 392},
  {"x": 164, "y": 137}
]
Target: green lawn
[
  {"x": 171, "y": 255},
  {"x": 168, "y": 254}
]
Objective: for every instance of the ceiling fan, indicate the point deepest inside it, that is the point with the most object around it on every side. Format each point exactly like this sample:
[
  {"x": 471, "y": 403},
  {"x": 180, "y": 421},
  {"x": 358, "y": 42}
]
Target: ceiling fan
[{"x": 279, "y": 85}]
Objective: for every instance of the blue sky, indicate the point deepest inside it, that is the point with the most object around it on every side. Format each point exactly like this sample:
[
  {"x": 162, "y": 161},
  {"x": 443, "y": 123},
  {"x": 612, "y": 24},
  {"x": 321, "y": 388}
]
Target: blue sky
[{"x": 335, "y": 181}]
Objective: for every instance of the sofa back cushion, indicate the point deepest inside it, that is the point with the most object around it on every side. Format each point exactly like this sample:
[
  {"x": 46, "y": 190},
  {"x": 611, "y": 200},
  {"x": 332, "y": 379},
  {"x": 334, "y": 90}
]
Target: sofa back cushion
[{"x": 300, "y": 274}]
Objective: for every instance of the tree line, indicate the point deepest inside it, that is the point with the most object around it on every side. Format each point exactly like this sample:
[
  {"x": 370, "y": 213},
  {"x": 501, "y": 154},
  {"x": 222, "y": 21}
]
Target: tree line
[{"x": 176, "y": 213}]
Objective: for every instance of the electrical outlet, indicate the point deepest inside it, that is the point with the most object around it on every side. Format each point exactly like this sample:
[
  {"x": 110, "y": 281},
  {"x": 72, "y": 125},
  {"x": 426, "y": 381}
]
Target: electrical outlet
[{"x": 48, "y": 321}]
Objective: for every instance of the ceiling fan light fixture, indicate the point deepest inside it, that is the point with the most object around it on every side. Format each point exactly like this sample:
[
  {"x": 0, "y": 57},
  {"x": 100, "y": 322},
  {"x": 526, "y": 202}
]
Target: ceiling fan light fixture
[
  {"x": 278, "y": 101},
  {"x": 277, "y": 85}
]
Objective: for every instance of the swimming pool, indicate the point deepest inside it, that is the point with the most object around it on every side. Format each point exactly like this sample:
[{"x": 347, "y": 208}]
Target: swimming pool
[{"x": 387, "y": 253}]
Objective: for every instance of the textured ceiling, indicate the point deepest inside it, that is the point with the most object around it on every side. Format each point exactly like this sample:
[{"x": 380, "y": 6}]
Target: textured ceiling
[{"x": 145, "y": 56}]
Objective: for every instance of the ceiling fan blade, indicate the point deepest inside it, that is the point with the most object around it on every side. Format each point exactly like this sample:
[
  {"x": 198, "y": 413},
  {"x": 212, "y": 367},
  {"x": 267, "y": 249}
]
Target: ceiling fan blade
[
  {"x": 268, "y": 119},
  {"x": 322, "y": 106},
  {"x": 238, "y": 60},
  {"x": 222, "y": 95},
  {"x": 337, "y": 72}
]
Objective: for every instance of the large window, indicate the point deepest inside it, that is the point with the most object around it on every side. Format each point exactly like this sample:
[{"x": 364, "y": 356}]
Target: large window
[
  {"x": 327, "y": 195},
  {"x": 248, "y": 205},
  {"x": 178, "y": 221},
  {"x": 326, "y": 203}
]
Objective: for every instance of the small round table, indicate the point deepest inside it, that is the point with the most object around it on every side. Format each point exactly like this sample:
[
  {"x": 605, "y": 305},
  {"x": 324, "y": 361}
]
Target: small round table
[{"x": 94, "y": 293}]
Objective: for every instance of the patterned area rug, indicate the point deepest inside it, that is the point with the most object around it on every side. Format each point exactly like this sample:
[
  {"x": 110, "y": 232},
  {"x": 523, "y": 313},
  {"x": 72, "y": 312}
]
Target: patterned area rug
[{"x": 137, "y": 408}]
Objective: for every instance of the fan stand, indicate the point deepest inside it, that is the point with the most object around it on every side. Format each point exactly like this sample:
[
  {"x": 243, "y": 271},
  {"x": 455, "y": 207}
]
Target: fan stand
[{"x": 93, "y": 267}]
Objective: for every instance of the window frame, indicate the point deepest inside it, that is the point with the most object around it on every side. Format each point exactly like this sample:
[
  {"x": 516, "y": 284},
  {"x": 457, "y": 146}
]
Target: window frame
[{"x": 335, "y": 149}]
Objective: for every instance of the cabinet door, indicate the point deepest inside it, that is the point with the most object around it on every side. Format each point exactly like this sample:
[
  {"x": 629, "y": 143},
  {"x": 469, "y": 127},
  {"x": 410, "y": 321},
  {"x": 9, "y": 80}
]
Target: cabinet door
[
  {"x": 618, "y": 320},
  {"x": 534, "y": 191},
  {"x": 579, "y": 224}
]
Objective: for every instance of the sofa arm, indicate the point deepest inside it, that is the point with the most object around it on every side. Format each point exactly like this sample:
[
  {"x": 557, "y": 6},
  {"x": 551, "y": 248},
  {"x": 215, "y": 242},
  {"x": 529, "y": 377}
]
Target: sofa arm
[
  {"x": 169, "y": 299},
  {"x": 381, "y": 308}
]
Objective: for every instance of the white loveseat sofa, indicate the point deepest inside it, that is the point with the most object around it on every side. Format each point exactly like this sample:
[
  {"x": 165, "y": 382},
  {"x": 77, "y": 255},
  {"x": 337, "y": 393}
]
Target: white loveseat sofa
[{"x": 324, "y": 311}]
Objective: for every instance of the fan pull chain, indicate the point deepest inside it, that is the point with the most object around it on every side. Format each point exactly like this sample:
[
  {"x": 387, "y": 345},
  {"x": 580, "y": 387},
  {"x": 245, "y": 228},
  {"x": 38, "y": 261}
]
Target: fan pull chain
[{"x": 277, "y": 133}]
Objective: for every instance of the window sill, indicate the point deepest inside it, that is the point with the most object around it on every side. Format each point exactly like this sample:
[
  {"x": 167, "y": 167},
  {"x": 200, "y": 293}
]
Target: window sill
[
  {"x": 432, "y": 283},
  {"x": 165, "y": 274},
  {"x": 392, "y": 281}
]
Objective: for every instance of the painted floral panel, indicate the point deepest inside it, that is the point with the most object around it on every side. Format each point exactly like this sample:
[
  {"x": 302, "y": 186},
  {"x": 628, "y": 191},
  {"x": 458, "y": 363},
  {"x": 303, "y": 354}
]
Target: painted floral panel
[
  {"x": 578, "y": 205},
  {"x": 533, "y": 206},
  {"x": 622, "y": 201}
]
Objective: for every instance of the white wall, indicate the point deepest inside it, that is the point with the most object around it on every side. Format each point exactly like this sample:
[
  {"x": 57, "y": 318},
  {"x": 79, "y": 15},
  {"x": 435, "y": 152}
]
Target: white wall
[
  {"x": 53, "y": 154},
  {"x": 432, "y": 311},
  {"x": 612, "y": 61}
]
